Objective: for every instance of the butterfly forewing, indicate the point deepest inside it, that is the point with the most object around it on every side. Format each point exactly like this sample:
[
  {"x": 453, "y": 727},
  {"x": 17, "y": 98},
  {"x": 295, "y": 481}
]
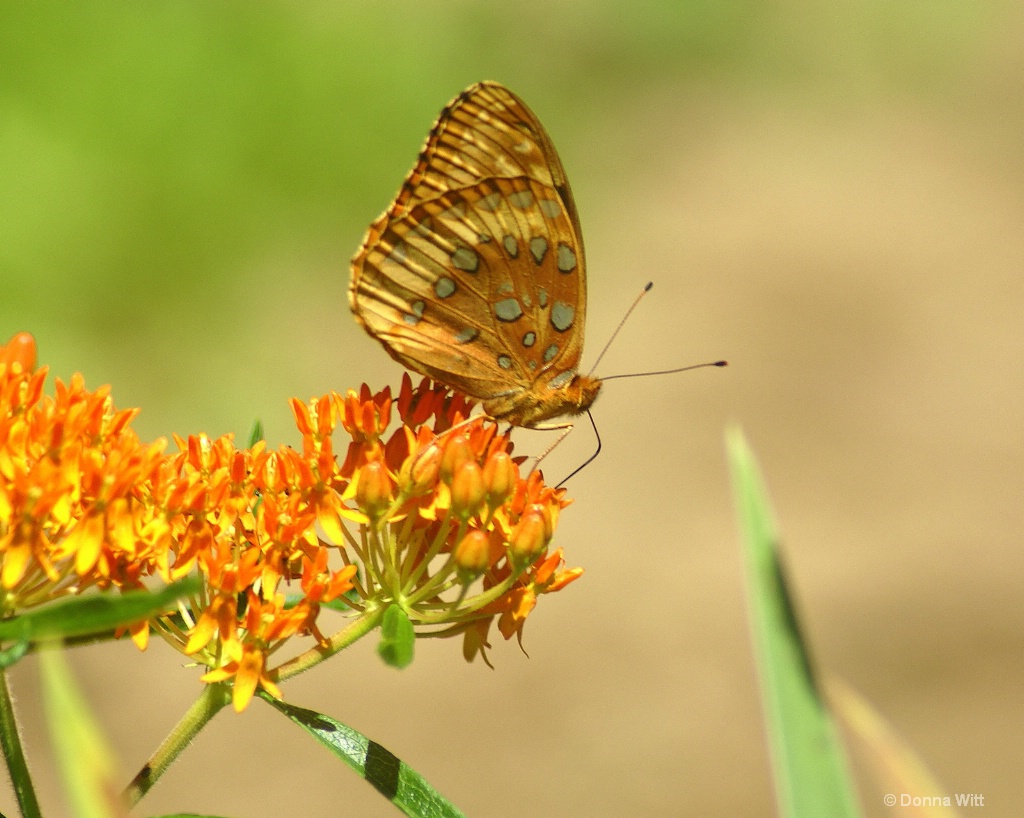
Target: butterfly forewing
[
  {"x": 475, "y": 274},
  {"x": 485, "y": 132}
]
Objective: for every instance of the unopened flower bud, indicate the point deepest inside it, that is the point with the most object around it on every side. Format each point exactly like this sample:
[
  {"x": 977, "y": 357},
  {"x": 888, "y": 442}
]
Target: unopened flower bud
[
  {"x": 373, "y": 492},
  {"x": 20, "y": 349},
  {"x": 456, "y": 453},
  {"x": 472, "y": 554},
  {"x": 239, "y": 468},
  {"x": 545, "y": 511},
  {"x": 529, "y": 537},
  {"x": 500, "y": 475},
  {"x": 467, "y": 489},
  {"x": 419, "y": 472}
]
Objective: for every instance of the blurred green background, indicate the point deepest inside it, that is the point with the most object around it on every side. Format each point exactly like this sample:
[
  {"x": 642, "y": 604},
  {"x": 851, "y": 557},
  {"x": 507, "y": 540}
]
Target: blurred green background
[{"x": 830, "y": 195}]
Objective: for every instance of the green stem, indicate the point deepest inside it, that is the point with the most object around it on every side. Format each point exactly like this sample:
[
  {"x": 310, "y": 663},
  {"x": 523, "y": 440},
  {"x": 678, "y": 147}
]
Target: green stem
[
  {"x": 17, "y": 765},
  {"x": 357, "y": 629},
  {"x": 216, "y": 696},
  {"x": 209, "y": 703},
  {"x": 436, "y": 581},
  {"x": 463, "y": 607}
]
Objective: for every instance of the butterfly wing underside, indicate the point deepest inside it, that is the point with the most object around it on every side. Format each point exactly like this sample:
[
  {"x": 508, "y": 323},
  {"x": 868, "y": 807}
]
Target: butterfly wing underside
[{"x": 474, "y": 276}]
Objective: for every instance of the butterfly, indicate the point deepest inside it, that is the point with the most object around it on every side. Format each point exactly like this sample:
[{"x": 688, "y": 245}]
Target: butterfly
[{"x": 475, "y": 275}]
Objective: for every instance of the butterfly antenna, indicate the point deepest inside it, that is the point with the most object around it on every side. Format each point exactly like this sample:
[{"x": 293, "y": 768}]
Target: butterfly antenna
[
  {"x": 666, "y": 371},
  {"x": 629, "y": 312},
  {"x": 592, "y": 457}
]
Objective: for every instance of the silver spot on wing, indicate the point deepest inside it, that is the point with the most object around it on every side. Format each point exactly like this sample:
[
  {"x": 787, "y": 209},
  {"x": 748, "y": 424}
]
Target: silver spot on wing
[
  {"x": 561, "y": 379},
  {"x": 550, "y": 208},
  {"x": 521, "y": 199},
  {"x": 444, "y": 287},
  {"x": 562, "y": 316},
  {"x": 508, "y": 309},
  {"x": 415, "y": 314},
  {"x": 466, "y": 259},
  {"x": 490, "y": 202},
  {"x": 538, "y": 248},
  {"x": 566, "y": 258}
]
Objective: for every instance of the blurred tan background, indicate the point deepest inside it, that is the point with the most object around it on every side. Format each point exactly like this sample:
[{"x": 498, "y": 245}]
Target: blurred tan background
[{"x": 829, "y": 195}]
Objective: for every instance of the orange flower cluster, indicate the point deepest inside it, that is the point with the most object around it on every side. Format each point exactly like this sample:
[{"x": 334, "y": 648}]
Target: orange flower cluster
[
  {"x": 74, "y": 509},
  {"x": 247, "y": 520},
  {"x": 415, "y": 518},
  {"x": 441, "y": 506}
]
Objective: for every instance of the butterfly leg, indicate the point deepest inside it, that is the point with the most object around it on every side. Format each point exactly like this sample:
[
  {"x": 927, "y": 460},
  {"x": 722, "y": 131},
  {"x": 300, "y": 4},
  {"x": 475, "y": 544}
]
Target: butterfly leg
[
  {"x": 464, "y": 422},
  {"x": 550, "y": 427},
  {"x": 461, "y": 423}
]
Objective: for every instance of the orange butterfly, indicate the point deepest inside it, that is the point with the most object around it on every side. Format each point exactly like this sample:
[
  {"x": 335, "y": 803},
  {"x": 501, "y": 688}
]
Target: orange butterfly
[{"x": 475, "y": 276}]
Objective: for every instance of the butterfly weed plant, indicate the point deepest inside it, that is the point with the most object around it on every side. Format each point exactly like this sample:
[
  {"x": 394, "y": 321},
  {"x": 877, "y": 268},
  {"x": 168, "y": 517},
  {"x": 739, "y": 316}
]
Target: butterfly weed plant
[
  {"x": 400, "y": 512},
  {"x": 420, "y": 522},
  {"x": 408, "y": 514}
]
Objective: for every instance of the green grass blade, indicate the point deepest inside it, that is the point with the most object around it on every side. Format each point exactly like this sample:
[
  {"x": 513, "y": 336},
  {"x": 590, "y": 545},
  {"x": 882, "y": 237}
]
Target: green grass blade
[
  {"x": 811, "y": 774},
  {"x": 389, "y": 775},
  {"x": 86, "y": 763}
]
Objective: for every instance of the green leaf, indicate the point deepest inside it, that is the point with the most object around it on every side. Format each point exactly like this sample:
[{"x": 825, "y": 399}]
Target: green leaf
[
  {"x": 397, "y": 638},
  {"x": 95, "y": 613},
  {"x": 10, "y": 655},
  {"x": 86, "y": 763},
  {"x": 256, "y": 434},
  {"x": 389, "y": 775},
  {"x": 811, "y": 775}
]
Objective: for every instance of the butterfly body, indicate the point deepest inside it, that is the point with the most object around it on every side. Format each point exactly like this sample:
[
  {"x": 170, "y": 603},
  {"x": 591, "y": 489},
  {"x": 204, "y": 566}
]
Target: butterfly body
[{"x": 474, "y": 276}]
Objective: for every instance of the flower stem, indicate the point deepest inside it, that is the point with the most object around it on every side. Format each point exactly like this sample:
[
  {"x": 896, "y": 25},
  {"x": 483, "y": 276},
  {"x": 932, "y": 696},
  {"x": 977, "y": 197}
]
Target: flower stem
[
  {"x": 17, "y": 766},
  {"x": 209, "y": 703},
  {"x": 355, "y": 630}
]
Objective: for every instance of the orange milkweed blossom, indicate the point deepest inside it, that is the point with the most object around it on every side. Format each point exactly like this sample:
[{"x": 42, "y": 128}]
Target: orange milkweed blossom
[
  {"x": 74, "y": 504},
  {"x": 432, "y": 516}
]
